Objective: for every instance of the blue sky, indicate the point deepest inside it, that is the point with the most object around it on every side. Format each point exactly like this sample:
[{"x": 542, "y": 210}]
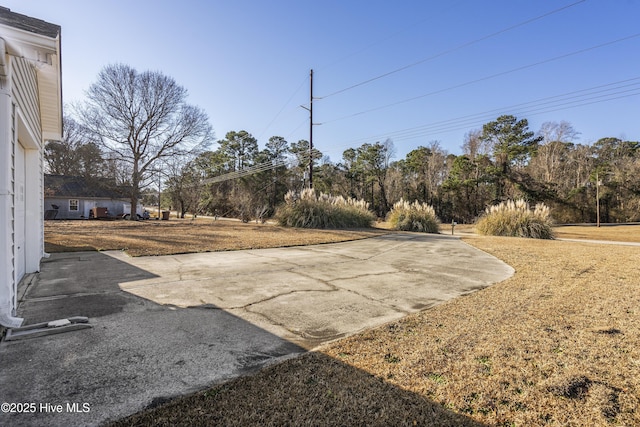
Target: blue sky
[{"x": 246, "y": 63}]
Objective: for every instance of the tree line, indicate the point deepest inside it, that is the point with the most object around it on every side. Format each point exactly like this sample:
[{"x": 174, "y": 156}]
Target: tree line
[
  {"x": 137, "y": 130},
  {"x": 503, "y": 160}
]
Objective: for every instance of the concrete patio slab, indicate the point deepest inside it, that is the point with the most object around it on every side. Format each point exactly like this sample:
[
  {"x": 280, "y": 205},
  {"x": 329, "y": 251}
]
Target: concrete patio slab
[{"x": 166, "y": 326}]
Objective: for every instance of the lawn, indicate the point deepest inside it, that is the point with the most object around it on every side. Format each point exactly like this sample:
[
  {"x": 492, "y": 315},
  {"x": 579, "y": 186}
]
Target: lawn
[
  {"x": 620, "y": 233},
  {"x": 153, "y": 237},
  {"x": 557, "y": 344}
]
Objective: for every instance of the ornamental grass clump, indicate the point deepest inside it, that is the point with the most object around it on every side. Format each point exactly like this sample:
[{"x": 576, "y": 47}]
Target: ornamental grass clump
[
  {"x": 516, "y": 219},
  {"x": 414, "y": 216},
  {"x": 310, "y": 210}
]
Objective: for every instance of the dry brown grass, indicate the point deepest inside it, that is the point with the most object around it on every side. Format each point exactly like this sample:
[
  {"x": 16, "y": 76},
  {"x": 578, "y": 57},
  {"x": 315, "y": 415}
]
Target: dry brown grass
[
  {"x": 311, "y": 390},
  {"x": 558, "y": 344},
  {"x": 619, "y": 233},
  {"x": 616, "y": 233},
  {"x": 151, "y": 237}
]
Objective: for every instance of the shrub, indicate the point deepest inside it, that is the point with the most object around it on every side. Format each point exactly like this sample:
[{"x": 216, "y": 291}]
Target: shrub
[
  {"x": 414, "y": 216},
  {"x": 309, "y": 210},
  {"x": 516, "y": 219}
]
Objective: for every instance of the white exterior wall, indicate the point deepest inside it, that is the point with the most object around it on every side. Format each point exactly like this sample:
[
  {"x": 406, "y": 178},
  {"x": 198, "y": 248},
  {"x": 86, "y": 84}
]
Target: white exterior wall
[
  {"x": 25, "y": 95},
  {"x": 21, "y": 140},
  {"x": 34, "y": 213},
  {"x": 7, "y": 270}
]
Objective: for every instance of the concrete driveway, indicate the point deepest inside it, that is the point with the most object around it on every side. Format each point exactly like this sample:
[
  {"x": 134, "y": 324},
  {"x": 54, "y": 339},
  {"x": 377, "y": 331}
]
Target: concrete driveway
[{"x": 165, "y": 326}]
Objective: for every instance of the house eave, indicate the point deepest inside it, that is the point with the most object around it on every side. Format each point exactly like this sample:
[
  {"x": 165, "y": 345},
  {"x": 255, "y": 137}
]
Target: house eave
[
  {"x": 29, "y": 45},
  {"x": 43, "y": 52},
  {"x": 63, "y": 197}
]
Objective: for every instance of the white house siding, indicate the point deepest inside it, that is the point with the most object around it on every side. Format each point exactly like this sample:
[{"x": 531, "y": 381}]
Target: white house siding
[
  {"x": 34, "y": 208},
  {"x": 7, "y": 146},
  {"x": 25, "y": 94},
  {"x": 19, "y": 216},
  {"x": 24, "y": 91},
  {"x": 22, "y": 180},
  {"x": 30, "y": 51}
]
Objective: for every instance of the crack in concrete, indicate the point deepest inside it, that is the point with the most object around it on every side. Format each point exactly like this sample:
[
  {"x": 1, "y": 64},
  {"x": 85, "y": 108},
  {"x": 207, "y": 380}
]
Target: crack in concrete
[
  {"x": 296, "y": 291},
  {"x": 312, "y": 251},
  {"x": 384, "y": 252},
  {"x": 274, "y": 322},
  {"x": 379, "y": 301}
]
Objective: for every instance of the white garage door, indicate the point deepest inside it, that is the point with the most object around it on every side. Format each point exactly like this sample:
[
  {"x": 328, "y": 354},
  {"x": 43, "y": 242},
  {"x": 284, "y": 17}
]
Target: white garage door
[{"x": 19, "y": 219}]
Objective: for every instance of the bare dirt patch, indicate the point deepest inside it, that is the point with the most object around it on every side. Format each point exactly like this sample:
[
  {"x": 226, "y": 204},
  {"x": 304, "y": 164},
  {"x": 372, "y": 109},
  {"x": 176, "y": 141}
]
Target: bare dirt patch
[
  {"x": 151, "y": 237},
  {"x": 557, "y": 344}
]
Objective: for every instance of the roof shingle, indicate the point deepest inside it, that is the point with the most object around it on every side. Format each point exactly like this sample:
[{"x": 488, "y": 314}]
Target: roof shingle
[
  {"x": 79, "y": 187},
  {"x": 27, "y": 23}
]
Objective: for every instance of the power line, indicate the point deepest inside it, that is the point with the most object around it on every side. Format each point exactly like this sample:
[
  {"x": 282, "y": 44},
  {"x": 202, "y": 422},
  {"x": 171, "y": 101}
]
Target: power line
[
  {"x": 446, "y": 52},
  {"x": 623, "y": 89},
  {"x": 260, "y": 167},
  {"x": 273, "y": 165},
  {"x": 492, "y": 76},
  {"x": 473, "y": 118},
  {"x": 596, "y": 94},
  {"x": 306, "y": 120},
  {"x": 479, "y": 119},
  {"x": 307, "y": 78},
  {"x": 529, "y": 113},
  {"x": 284, "y": 106},
  {"x": 422, "y": 21}
]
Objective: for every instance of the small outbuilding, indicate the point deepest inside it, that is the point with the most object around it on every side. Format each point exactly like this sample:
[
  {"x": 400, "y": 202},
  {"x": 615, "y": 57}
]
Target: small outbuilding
[{"x": 74, "y": 197}]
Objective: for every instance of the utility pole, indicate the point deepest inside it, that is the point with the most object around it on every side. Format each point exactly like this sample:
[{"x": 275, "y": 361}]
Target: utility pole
[
  {"x": 597, "y": 200},
  {"x": 311, "y": 129},
  {"x": 310, "y": 110},
  {"x": 159, "y": 192}
]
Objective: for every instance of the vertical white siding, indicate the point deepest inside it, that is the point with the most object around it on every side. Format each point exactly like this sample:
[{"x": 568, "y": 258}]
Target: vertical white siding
[
  {"x": 34, "y": 215},
  {"x": 24, "y": 91},
  {"x": 14, "y": 269}
]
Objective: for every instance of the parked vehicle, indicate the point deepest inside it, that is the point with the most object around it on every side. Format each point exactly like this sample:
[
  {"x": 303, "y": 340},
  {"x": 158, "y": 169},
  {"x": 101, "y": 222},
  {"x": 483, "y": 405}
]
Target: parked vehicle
[{"x": 145, "y": 215}]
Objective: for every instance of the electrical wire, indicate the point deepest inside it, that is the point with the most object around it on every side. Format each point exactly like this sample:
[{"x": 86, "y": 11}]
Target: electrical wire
[
  {"x": 448, "y": 51},
  {"x": 305, "y": 80},
  {"x": 406, "y": 28},
  {"x": 616, "y": 90},
  {"x": 296, "y": 128},
  {"x": 560, "y": 107},
  {"x": 481, "y": 79},
  {"x": 523, "y": 108},
  {"x": 563, "y": 102},
  {"x": 411, "y": 65},
  {"x": 261, "y": 167}
]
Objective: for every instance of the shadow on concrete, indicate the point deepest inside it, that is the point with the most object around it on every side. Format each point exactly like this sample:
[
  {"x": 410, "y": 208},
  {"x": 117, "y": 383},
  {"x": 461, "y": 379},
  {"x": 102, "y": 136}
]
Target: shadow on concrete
[
  {"x": 79, "y": 284},
  {"x": 140, "y": 354}
]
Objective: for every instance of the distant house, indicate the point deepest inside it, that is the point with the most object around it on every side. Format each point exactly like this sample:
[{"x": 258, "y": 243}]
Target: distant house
[
  {"x": 30, "y": 114},
  {"x": 74, "y": 197}
]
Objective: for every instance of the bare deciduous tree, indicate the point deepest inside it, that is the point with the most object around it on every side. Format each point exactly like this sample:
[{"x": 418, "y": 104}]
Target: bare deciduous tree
[
  {"x": 75, "y": 155},
  {"x": 551, "y": 155},
  {"x": 474, "y": 146},
  {"x": 141, "y": 118}
]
